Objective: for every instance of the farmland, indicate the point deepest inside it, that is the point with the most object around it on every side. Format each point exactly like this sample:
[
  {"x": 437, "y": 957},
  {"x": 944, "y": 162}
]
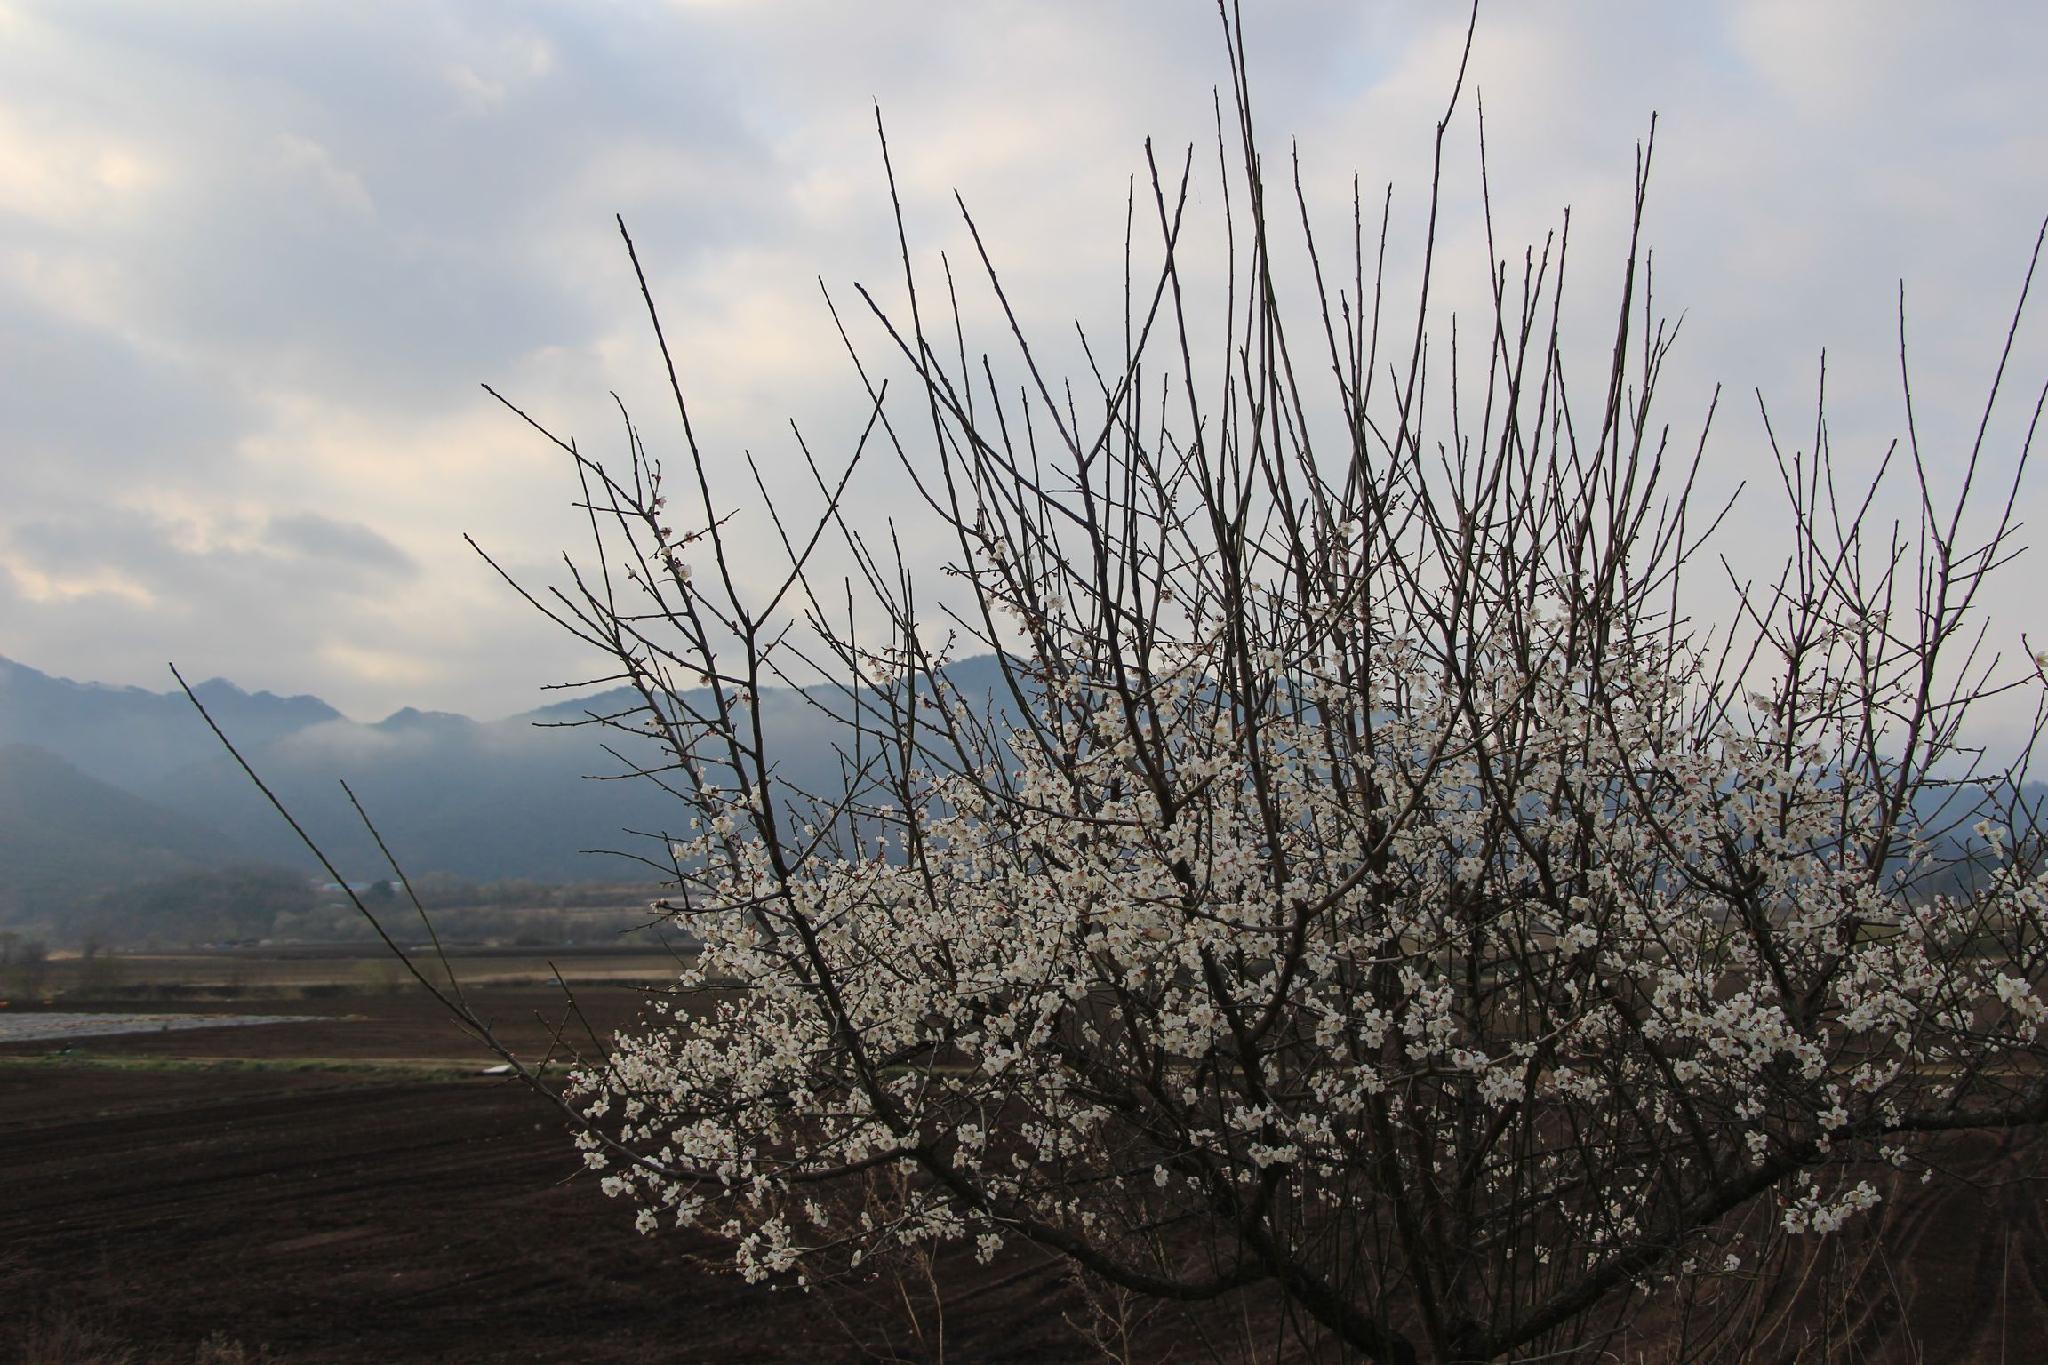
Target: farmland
[{"x": 346, "y": 1186}]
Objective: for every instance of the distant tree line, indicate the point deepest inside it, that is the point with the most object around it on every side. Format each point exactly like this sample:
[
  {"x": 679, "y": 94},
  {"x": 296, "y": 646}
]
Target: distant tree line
[
  {"x": 442, "y": 890},
  {"x": 205, "y": 905},
  {"x": 24, "y": 965}
]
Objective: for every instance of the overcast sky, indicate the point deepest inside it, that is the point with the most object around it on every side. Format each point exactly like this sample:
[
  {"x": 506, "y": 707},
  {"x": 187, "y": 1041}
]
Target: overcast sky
[{"x": 256, "y": 258}]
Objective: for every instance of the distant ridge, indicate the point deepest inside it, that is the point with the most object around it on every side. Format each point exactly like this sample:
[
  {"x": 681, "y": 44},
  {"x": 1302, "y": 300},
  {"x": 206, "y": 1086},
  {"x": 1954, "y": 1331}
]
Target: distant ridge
[
  {"x": 125, "y": 735},
  {"x": 120, "y": 782},
  {"x": 485, "y": 799}
]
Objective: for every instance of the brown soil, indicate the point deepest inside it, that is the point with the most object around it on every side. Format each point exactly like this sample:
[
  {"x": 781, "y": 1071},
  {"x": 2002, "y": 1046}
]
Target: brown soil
[
  {"x": 152, "y": 1209},
  {"x": 362, "y": 1216}
]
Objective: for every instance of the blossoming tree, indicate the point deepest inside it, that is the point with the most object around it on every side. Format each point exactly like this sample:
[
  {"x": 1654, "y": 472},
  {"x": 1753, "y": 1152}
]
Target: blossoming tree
[{"x": 1312, "y": 849}]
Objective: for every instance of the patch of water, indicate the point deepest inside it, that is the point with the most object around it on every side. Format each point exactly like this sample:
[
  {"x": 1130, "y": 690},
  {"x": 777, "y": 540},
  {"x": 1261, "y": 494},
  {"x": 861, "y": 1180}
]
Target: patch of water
[{"x": 32, "y": 1025}]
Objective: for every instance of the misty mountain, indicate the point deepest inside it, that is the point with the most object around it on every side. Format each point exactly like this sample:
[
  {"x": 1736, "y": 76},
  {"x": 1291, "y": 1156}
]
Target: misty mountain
[
  {"x": 480, "y": 799},
  {"x": 126, "y": 783},
  {"x": 520, "y": 797},
  {"x": 120, "y": 766},
  {"x": 126, "y": 735}
]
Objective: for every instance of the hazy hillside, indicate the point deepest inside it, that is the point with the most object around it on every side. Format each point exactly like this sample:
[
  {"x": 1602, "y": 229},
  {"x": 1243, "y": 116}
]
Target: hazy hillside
[
  {"x": 66, "y": 837},
  {"x": 480, "y": 799}
]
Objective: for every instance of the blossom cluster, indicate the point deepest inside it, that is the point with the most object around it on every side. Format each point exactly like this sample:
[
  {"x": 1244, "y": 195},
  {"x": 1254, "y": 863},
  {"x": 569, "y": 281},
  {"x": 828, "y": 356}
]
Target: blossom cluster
[{"x": 1324, "y": 938}]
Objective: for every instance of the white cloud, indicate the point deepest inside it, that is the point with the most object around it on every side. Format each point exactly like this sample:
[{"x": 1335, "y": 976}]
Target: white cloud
[{"x": 305, "y": 161}]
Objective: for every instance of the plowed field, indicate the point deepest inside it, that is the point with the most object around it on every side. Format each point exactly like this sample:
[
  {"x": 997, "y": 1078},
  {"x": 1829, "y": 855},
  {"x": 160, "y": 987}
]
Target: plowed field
[
  {"x": 345, "y": 1188},
  {"x": 149, "y": 1202}
]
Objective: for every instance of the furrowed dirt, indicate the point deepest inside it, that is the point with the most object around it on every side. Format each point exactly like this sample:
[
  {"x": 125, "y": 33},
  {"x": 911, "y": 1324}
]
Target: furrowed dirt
[
  {"x": 345, "y": 1188},
  {"x": 362, "y": 1215}
]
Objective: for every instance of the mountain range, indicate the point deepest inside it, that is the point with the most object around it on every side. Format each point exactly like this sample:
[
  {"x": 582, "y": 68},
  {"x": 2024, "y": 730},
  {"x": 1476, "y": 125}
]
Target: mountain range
[
  {"x": 105, "y": 787},
  {"x": 101, "y": 785}
]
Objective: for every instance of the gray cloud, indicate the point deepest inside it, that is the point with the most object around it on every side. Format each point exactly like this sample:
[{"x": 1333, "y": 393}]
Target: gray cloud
[
  {"x": 253, "y": 577},
  {"x": 344, "y": 543},
  {"x": 253, "y": 260},
  {"x": 365, "y": 198},
  {"x": 83, "y": 404}
]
